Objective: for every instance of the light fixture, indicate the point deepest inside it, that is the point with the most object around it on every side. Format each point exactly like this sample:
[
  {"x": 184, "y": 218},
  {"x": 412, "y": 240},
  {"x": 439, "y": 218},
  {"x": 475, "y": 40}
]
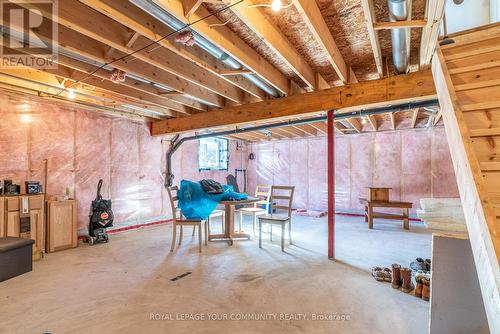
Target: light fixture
[
  {"x": 26, "y": 118},
  {"x": 276, "y": 5},
  {"x": 71, "y": 94},
  {"x": 364, "y": 120}
]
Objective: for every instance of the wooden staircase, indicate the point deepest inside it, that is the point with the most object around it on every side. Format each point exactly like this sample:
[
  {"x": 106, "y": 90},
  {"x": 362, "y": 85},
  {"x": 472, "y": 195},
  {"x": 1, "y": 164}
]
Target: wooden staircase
[{"x": 467, "y": 77}]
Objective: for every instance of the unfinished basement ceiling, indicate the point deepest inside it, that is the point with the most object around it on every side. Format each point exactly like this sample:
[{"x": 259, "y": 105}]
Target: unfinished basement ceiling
[{"x": 346, "y": 21}]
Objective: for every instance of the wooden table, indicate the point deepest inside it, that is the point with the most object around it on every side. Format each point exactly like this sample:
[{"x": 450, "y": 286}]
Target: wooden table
[
  {"x": 229, "y": 233},
  {"x": 369, "y": 214}
]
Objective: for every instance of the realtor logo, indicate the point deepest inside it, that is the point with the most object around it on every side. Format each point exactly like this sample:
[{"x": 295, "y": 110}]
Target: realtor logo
[{"x": 29, "y": 33}]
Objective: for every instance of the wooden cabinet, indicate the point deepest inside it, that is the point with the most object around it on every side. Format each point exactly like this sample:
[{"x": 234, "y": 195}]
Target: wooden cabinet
[
  {"x": 24, "y": 216},
  {"x": 61, "y": 225}
]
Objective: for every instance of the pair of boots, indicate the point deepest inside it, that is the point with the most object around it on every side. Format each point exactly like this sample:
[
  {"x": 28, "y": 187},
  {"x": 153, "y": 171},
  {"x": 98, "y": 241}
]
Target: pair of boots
[
  {"x": 423, "y": 288},
  {"x": 401, "y": 278}
]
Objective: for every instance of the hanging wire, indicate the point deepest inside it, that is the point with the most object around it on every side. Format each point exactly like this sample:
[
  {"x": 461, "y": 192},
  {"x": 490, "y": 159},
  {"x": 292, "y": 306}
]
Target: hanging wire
[{"x": 187, "y": 25}]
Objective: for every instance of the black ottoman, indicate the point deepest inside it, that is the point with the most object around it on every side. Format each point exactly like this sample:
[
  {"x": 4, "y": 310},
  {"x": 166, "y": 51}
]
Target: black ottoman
[{"x": 15, "y": 257}]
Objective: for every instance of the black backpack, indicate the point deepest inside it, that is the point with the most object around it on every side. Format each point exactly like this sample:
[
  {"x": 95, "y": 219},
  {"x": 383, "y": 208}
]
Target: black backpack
[{"x": 211, "y": 187}]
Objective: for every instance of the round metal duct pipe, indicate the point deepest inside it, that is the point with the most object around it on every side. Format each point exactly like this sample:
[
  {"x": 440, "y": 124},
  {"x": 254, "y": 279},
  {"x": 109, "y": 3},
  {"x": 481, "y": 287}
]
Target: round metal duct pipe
[{"x": 400, "y": 10}]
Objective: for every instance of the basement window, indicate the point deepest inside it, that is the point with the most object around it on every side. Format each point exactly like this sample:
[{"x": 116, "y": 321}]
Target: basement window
[{"x": 213, "y": 154}]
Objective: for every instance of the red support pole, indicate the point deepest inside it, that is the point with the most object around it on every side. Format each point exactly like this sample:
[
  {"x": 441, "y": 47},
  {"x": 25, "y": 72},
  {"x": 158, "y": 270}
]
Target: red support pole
[{"x": 331, "y": 187}]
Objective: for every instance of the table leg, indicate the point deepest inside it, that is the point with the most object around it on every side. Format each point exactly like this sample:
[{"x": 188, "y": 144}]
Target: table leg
[
  {"x": 229, "y": 223},
  {"x": 406, "y": 220},
  {"x": 370, "y": 217}
]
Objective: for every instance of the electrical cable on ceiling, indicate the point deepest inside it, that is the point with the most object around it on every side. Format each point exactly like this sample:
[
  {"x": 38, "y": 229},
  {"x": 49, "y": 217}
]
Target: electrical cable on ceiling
[{"x": 143, "y": 48}]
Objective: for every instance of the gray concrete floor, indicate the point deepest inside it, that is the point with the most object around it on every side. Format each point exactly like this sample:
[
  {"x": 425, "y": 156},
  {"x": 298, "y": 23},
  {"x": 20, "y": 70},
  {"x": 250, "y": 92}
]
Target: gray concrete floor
[{"x": 118, "y": 287}]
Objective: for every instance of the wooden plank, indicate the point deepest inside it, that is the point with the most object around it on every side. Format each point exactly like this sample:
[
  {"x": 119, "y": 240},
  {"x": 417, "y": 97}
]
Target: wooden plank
[
  {"x": 314, "y": 20},
  {"x": 414, "y": 117},
  {"x": 373, "y": 122},
  {"x": 479, "y": 95},
  {"x": 392, "y": 118},
  {"x": 434, "y": 12},
  {"x": 272, "y": 36},
  {"x": 490, "y": 166},
  {"x": 401, "y": 88},
  {"x": 137, "y": 20},
  {"x": 479, "y": 214},
  {"x": 228, "y": 41},
  {"x": 482, "y": 119},
  {"x": 399, "y": 24},
  {"x": 369, "y": 11},
  {"x": 485, "y": 132},
  {"x": 473, "y": 35},
  {"x": 473, "y": 49}
]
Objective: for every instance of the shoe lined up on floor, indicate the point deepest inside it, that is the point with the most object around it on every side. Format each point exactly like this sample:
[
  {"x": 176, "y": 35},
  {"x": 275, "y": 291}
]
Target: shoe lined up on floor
[
  {"x": 381, "y": 274},
  {"x": 421, "y": 264}
]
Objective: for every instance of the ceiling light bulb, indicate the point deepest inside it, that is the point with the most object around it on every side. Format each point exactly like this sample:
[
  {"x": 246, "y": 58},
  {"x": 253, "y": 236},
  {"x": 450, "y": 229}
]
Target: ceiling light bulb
[
  {"x": 276, "y": 5},
  {"x": 363, "y": 120},
  {"x": 71, "y": 94}
]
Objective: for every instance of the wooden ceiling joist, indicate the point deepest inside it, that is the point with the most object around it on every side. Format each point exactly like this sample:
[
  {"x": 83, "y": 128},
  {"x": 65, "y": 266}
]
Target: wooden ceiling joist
[
  {"x": 355, "y": 124},
  {"x": 178, "y": 103},
  {"x": 152, "y": 29},
  {"x": 48, "y": 86},
  {"x": 414, "y": 117},
  {"x": 399, "y": 24},
  {"x": 373, "y": 122},
  {"x": 272, "y": 36},
  {"x": 369, "y": 11},
  {"x": 434, "y": 11},
  {"x": 392, "y": 118},
  {"x": 228, "y": 41},
  {"x": 411, "y": 87},
  {"x": 314, "y": 20},
  {"x": 184, "y": 74}
]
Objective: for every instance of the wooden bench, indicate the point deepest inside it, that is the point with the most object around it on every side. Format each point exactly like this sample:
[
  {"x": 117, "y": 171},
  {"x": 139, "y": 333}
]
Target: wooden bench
[{"x": 370, "y": 215}]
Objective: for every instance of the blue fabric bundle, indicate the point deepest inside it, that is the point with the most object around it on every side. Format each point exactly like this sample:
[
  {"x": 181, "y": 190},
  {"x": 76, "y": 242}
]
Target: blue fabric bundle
[{"x": 197, "y": 204}]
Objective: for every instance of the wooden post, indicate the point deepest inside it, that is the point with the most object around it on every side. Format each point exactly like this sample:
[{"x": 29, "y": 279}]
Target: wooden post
[{"x": 331, "y": 186}]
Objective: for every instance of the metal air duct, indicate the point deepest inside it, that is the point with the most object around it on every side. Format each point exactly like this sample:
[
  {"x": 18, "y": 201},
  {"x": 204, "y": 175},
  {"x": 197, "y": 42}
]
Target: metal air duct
[{"x": 400, "y": 10}]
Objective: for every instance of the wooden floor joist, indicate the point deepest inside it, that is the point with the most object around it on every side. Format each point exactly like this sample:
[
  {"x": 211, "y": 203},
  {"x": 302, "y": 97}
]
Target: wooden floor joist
[{"x": 412, "y": 87}]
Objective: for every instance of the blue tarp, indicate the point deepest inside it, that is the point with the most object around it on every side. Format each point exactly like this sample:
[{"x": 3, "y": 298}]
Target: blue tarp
[{"x": 197, "y": 204}]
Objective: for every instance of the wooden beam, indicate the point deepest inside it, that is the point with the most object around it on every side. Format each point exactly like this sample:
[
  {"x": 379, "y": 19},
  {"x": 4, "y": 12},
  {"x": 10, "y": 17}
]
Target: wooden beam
[
  {"x": 49, "y": 87},
  {"x": 320, "y": 126},
  {"x": 399, "y": 24},
  {"x": 183, "y": 75},
  {"x": 272, "y": 36},
  {"x": 235, "y": 72},
  {"x": 354, "y": 122},
  {"x": 404, "y": 88},
  {"x": 393, "y": 120},
  {"x": 369, "y": 11},
  {"x": 373, "y": 122},
  {"x": 137, "y": 20},
  {"x": 78, "y": 43},
  {"x": 228, "y": 41},
  {"x": 191, "y": 6},
  {"x": 434, "y": 11},
  {"x": 338, "y": 127},
  {"x": 314, "y": 20},
  {"x": 414, "y": 117}
]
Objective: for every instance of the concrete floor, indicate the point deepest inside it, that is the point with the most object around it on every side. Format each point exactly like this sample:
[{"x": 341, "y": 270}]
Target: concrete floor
[{"x": 118, "y": 287}]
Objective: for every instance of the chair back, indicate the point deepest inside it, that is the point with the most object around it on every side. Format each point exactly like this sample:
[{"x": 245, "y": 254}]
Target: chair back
[
  {"x": 263, "y": 191},
  {"x": 174, "y": 199},
  {"x": 282, "y": 198}
]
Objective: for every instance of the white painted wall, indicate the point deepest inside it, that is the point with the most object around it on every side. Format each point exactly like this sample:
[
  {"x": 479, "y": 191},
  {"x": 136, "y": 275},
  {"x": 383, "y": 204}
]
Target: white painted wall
[
  {"x": 469, "y": 14},
  {"x": 495, "y": 10}
]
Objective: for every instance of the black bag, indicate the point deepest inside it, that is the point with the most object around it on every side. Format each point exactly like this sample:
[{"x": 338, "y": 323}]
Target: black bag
[
  {"x": 101, "y": 215},
  {"x": 211, "y": 187}
]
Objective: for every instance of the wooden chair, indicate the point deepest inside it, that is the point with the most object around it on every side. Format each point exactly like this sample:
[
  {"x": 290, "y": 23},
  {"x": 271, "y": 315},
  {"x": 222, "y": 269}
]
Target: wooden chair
[
  {"x": 179, "y": 220},
  {"x": 282, "y": 198},
  {"x": 216, "y": 213},
  {"x": 264, "y": 193}
]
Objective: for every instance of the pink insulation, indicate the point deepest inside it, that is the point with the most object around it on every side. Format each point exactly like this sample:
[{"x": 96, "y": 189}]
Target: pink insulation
[
  {"x": 415, "y": 163},
  {"x": 83, "y": 146}
]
